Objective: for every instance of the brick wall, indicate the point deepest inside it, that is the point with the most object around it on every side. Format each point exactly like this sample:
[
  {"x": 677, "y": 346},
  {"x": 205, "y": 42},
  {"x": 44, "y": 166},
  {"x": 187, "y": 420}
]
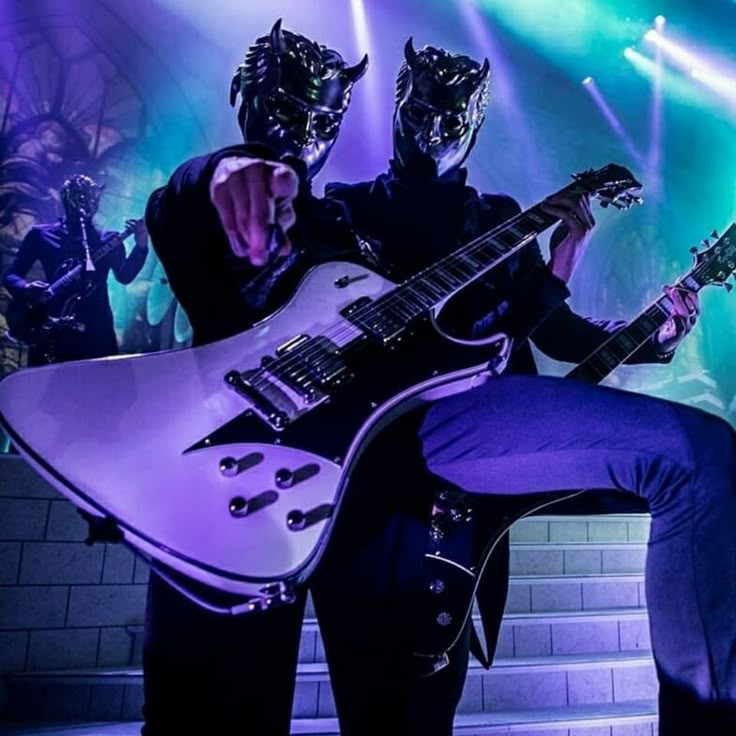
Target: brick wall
[{"x": 63, "y": 604}]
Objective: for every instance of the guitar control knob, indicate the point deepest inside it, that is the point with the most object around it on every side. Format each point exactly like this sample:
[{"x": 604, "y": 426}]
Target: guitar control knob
[
  {"x": 296, "y": 520},
  {"x": 229, "y": 467},
  {"x": 238, "y": 506},
  {"x": 284, "y": 478}
]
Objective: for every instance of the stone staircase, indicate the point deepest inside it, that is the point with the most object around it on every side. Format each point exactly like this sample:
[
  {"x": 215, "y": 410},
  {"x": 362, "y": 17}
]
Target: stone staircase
[{"x": 573, "y": 656}]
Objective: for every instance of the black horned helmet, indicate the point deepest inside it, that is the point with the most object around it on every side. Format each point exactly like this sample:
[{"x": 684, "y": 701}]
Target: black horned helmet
[
  {"x": 80, "y": 195},
  {"x": 294, "y": 93},
  {"x": 441, "y": 100}
]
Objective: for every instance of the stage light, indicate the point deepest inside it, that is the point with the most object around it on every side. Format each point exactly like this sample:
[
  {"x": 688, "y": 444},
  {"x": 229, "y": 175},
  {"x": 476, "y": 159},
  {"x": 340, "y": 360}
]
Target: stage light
[
  {"x": 720, "y": 83},
  {"x": 675, "y": 85},
  {"x": 504, "y": 85},
  {"x": 659, "y": 22},
  {"x": 674, "y": 51},
  {"x": 375, "y": 107},
  {"x": 641, "y": 63},
  {"x": 612, "y": 120},
  {"x": 360, "y": 24}
]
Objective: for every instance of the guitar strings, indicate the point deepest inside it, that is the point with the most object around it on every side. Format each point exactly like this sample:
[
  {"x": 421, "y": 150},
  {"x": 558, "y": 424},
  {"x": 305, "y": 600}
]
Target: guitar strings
[
  {"x": 662, "y": 311},
  {"x": 395, "y": 298},
  {"x": 294, "y": 360}
]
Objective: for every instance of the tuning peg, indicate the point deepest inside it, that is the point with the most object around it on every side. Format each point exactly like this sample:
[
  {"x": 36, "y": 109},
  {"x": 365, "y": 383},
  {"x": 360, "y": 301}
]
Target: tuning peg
[
  {"x": 728, "y": 287},
  {"x": 694, "y": 250},
  {"x": 715, "y": 234},
  {"x": 705, "y": 243}
]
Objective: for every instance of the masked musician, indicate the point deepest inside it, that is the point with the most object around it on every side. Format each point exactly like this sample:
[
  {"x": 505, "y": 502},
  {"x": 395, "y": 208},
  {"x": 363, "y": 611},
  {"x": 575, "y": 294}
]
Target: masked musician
[
  {"x": 205, "y": 672},
  {"x": 516, "y": 435},
  {"x": 522, "y": 434},
  {"x": 67, "y": 315}
]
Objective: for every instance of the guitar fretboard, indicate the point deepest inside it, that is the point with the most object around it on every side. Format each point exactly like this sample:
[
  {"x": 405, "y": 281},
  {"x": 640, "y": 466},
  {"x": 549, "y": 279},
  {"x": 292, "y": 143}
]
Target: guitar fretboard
[
  {"x": 624, "y": 343},
  {"x": 436, "y": 283},
  {"x": 73, "y": 273}
]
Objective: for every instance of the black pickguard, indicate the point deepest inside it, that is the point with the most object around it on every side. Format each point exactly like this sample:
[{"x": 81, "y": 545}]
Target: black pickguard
[{"x": 381, "y": 373}]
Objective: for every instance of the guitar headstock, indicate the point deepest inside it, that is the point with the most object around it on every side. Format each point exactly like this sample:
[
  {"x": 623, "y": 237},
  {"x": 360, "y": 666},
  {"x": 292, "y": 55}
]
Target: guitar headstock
[
  {"x": 612, "y": 185},
  {"x": 717, "y": 262}
]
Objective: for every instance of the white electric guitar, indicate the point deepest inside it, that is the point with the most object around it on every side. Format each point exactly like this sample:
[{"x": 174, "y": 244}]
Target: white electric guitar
[{"x": 227, "y": 463}]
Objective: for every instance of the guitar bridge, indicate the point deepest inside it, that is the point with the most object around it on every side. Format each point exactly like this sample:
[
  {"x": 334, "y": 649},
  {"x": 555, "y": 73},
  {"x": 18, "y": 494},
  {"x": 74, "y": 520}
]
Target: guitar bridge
[{"x": 262, "y": 406}]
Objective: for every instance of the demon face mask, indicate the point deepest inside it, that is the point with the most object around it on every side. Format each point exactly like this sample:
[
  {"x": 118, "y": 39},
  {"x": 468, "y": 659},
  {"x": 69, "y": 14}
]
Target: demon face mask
[
  {"x": 80, "y": 196},
  {"x": 441, "y": 100},
  {"x": 294, "y": 95}
]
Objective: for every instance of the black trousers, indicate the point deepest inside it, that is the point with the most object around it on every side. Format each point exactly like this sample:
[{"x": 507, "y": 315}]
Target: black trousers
[{"x": 205, "y": 673}]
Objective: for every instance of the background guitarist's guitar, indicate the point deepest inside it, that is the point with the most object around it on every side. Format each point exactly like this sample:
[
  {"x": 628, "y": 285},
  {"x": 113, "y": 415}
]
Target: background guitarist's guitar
[
  {"x": 228, "y": 462},
  {"x": 455, "y": 562},
  {"x": 37, "y": 324}
]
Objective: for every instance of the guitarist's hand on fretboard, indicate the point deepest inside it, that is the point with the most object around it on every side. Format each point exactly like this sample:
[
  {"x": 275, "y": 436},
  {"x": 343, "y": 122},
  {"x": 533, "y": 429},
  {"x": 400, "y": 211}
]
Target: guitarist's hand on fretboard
[
  {"x": 571, "y": 238},
  {"x": 685, "y": 313}
]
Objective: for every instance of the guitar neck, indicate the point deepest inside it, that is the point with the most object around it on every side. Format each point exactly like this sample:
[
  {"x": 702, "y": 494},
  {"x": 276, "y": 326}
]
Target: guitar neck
[
  {"x": 449, "y": 275},
  {"x": 624, "y": 343},
  {"x": 106, "y": 248},
  {"x": 437, "y": 283}
]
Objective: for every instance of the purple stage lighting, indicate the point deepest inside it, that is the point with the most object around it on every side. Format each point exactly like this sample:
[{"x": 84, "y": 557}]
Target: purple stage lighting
[
  {"x": 503, "y": 94},
  {"x": 376, "y": 113},
  {"x": 612, "y": 120}
]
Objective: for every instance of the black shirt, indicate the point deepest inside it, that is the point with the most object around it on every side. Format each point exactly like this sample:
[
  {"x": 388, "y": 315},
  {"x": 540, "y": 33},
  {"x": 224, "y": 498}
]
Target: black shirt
[
  {"x": 221, "y": 293},
  {"x": 413, "y": 218}
]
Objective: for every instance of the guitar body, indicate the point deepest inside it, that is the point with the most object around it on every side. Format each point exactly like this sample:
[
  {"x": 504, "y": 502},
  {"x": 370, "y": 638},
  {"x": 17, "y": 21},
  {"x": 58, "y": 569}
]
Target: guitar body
[
  {"x": 192, "y": 476},
  {"x": 31, "y": 323},
  {"x": 227, "y": 463}
]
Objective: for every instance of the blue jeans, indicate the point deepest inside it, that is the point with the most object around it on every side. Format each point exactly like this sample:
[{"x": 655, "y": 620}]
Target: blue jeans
[{"x": 522, "y": 434}]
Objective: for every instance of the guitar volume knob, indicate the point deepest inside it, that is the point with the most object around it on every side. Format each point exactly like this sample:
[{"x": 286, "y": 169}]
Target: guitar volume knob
[
  {"x": 296, "y": 521},
  {"x": 229, "y": 467},
  {"x": 238, "y": 507},
  {"x": 284, "y": 478}
]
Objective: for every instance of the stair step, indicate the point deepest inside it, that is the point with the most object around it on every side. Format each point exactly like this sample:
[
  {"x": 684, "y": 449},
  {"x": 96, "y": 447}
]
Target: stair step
[
  {"x": 558, "y": 593},
  {"x": 636, "y": 718},
  {"x": 574, "y": 591},
  {"x": 552, "y": 593},
  {"x": 523, "y": 633},
  {"x": 531, "y": 634},
  {"x": 604, "y": 528},
  {"x": 313, "y": 671},
  {"x": 577, "y": 558},
  {"x": 521, "y": 684}
]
